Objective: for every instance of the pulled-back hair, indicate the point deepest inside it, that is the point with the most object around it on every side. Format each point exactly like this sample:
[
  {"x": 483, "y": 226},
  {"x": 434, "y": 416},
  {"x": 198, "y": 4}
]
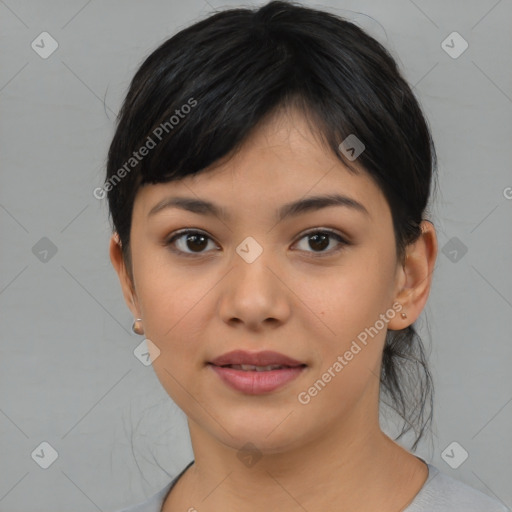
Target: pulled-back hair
[{"x": 198, "y": 97}]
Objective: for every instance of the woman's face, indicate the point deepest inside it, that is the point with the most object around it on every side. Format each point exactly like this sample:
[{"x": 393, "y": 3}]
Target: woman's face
[{"x": 256, "y": 281}]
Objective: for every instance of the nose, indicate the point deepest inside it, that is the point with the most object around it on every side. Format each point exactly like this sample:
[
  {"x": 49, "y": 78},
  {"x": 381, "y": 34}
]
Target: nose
[{"x": 254, "y": 295}]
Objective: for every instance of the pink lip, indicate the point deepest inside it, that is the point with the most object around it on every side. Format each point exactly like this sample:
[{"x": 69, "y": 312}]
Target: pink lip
[
  {"x": 255, "y": 383},
  {"x": 264, "y": 358}
]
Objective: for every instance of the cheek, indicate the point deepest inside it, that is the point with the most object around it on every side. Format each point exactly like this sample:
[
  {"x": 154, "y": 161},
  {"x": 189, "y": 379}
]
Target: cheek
[
  {"x": 349, "y": 298},
  {"x": 177, "y": 310},
  {"x": 348, "y": 305},
  {"x": 167, "y": 292},
  {"x": 177, "y": 320},
  {"x": 174, "y": 311}
]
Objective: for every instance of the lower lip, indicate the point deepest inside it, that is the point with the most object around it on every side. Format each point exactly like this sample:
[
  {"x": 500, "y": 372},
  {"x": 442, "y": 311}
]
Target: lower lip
[{"x": 256, "y": 383}]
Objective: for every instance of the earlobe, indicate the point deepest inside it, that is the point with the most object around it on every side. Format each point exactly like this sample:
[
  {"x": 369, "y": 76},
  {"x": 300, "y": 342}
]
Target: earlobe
[{"x": 417, "y": 273}]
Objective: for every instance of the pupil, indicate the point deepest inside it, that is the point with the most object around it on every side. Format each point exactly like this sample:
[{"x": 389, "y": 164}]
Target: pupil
[
  {"x": 324, "y": 241},
  {"x": 194, "y": 239}
]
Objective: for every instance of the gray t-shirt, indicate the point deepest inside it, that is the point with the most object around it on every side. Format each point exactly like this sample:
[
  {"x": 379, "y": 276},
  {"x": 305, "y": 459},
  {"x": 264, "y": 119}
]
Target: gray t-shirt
[{"x": 440, "y": 493}]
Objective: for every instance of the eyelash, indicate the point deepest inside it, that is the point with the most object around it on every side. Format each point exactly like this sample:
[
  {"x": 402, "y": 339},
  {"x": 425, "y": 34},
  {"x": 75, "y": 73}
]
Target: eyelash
[{"x": 342, "y": 242}]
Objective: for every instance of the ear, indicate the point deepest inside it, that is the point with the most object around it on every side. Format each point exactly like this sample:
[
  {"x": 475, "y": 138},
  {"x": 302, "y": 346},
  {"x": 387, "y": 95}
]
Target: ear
[
  {"x": 414, "y": 277},
  {"x": 116, "y": 257}
]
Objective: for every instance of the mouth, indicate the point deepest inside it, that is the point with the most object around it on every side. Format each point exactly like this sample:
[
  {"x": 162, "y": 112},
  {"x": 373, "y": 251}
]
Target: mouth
[
  {"x": 256, "y": 380},
  {"x": 265, "y": 360},
  {"x": 254, "y": 368},
  {"x": 256, "y": 373}
]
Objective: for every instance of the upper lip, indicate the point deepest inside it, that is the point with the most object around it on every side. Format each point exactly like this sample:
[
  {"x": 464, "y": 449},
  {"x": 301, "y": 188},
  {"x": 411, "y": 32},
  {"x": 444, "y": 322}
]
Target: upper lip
[{"x": 264, "y": 358}]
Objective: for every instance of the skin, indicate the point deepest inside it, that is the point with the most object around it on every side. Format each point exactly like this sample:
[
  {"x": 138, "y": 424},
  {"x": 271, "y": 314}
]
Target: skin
[{"x": 291, "y": 299}]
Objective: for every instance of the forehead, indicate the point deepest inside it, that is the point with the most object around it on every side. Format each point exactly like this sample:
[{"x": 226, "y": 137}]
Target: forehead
[{"x": 282, "y": 160}]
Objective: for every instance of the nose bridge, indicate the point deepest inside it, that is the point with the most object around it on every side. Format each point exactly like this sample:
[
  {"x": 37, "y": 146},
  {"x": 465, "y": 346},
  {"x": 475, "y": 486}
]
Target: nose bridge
[
  {"x": 252, "y": 292},
  {"x": 252, "y": 275}
]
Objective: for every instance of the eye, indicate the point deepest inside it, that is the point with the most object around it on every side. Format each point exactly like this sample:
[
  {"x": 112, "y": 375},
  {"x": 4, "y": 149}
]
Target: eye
[
  {"x": 320, "y": 239},
  {"x": 189, "y": 242},
  {"x": 194, "y": 240}
]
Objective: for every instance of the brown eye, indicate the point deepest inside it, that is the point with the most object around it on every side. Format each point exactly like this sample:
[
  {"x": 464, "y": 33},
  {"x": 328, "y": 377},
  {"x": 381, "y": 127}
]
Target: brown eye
[
  {"x": 194, "y": 243},
  {"x": 189, "y": 242},
  {"x": 319, "y": 240}
]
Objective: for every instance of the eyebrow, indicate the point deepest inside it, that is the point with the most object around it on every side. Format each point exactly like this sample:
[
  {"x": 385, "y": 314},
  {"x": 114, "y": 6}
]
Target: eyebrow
[{"x": 308, "y": 204}]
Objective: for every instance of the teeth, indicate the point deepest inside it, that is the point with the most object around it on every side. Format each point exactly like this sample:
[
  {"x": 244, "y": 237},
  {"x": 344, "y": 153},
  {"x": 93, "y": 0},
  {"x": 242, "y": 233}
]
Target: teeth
[{"x": 250, "y": 367}]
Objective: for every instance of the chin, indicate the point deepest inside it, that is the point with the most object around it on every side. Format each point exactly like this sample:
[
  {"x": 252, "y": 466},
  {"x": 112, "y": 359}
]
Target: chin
[{"x": 269, "y": 433}]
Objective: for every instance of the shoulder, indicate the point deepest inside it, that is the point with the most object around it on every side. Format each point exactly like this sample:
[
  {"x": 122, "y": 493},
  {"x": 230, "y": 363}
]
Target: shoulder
[
  {"x": 153, "y": 504},
  {"x": 442, "y": 493},
  {"x": 156, "y": 501}
]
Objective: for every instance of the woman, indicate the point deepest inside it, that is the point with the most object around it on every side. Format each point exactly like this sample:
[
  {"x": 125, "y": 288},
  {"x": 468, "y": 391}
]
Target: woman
[{"x": 268, "y": 183}]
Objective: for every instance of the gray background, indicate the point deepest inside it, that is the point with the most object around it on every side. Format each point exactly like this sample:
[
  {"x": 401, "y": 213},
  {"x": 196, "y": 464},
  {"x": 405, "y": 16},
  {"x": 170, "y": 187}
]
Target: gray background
[{"x": 68, "y": 375}]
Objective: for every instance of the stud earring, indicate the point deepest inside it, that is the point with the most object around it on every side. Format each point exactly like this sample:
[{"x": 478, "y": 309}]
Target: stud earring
[
  {"x": 137, "y": 326},
  {"x": 403, "y": 315}
]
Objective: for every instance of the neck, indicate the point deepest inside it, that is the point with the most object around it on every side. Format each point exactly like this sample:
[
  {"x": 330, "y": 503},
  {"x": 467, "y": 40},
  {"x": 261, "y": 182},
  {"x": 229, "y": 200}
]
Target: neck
[{"x": 353, "y": 465}]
